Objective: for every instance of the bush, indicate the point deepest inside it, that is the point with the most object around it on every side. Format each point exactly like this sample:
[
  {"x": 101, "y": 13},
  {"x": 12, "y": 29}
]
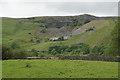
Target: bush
[
  {"x": 61, "y": 38},
  {"x": 35, "y": 53},
  {"x": 29, "y": 33},
  {"x": 57, "y": 49},
  {"x": 79, "y": 23},
  {"x": 82, "y": 47},
  {"x": 38, "y": 41},
  {"x": 14, "y": 45},
  {"x": 87, "y": 21},
  {"x": 74, "y": 49},
  {"x": 9, "y": 53},
  {"x": 74, "y": 23},
  {"x": 42, "y": 55},
  {"x": 18, "y": 53},
  {"x": 28, "y": 65},
  {"x": 113, "y": 47},
  {"x": 41, "y": 25},
  {"x": 6, "y": 52},
  {"x": 43, "y": 30},
  {"x": 58, "y": 55},
  {"x": 90, "y": 29},
  {"x": 54, "y": 52},
  {"x": 31, "y": 40},
  {"x": 98, "y": 50}
]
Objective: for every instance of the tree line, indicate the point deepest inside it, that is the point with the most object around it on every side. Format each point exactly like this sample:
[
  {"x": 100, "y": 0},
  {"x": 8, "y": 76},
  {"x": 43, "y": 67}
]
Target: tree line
[
  {"x": 12, "y": 51},
  {"x": 76, "y": 49}
]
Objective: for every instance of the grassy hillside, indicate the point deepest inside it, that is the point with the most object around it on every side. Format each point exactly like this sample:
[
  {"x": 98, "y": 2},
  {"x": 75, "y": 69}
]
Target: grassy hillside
[
  {"x": 97, "y": 37},
  {"x": 59, "y": 69},
  {"x": 27, "y": 32}
]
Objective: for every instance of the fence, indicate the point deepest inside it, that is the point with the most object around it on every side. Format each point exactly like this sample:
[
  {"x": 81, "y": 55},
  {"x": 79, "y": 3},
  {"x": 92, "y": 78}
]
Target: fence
[
  {"x": 113, "y": 59},
  {"x": 90, "y": 58}
]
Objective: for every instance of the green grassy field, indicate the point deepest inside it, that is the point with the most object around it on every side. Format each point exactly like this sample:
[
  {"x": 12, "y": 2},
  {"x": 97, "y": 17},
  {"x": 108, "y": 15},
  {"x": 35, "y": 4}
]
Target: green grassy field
[{"x": 59, "y": 69}]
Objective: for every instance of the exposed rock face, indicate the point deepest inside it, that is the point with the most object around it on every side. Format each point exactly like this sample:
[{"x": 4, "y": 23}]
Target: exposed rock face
[{"x": 78, "y": 31}]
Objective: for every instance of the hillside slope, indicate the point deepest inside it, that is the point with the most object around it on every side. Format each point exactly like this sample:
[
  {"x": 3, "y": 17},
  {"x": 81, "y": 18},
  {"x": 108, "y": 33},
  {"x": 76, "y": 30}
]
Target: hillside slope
[{"x": 27, "y": 31}]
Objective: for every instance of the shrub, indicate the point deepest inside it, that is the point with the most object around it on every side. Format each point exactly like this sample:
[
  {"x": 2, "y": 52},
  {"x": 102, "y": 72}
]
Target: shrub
[
  {"x": 29, "y": 33},
  {"x": 41, "y": 25},
  {"x": 58, "y": 55},
  {"x": 43, "y": 30},
  {"x": 28, "y": 65},
  {"x": 35, "y": 53},
  {"x": 87, "y": 21},
  {"x": 74, "y": 49},
  {"x": 14, "y": 45},
  {"x": 79, "y": 23},
  {"x": 58, "y": 49},
  {"x": 38, "y": 41},
  {"x": 54, "y": 52},
  {"x": 72, "y": 24},
  {"x": 42, "y": 55},
  {"x": 113, "y": 47},
  {"x": 90, "y": 29},
  {"x": 6, "y": 52},
  {"x": 82, "y": 47},
  {"x": 33, "y": 50},
  {"x": 98, "y": 50},
  {"x": 61, "y": 38},
  {"x": 31, "y": 40},
  {"x": 9, "y": 53},
  {"x": 18, "y": 53}
]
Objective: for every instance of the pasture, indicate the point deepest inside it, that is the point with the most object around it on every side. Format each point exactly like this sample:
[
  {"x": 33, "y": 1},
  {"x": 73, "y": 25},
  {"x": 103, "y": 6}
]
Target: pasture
[{"x": 59, "y": 69}]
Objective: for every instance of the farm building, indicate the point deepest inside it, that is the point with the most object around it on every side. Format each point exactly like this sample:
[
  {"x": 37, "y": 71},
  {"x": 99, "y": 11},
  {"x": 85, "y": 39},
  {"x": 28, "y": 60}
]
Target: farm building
[{"x": 56, "y": 38}]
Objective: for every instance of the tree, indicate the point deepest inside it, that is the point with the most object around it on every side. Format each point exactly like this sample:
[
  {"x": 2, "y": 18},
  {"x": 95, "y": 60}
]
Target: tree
[
  {"x": 98, "y": 50},
  {"x": 74, "y": 23},
  {"x": 85, "y": 48},
  {"x": 35, "y": 53},
  {"x": 6, "y": 52},
  {"x": 14, "y": 45},
  {"x": 18, "y": 53},
  {"x": 42, "y": 55},
  {"x": 54, "y": 52},
  {"x": 90, "y": 29},
  {"x": 113, "y": 46},
  {"x": 43, "y": 30},
  {"x": 41, "y": 25},
  {"x": 31, "y": 40},
  {"x": 81, "y": 47},
  {"x": 76, "y": 51},
  {"x": 38, "y": 41},
  {"x": 9, "y": 53},
  {"x": 61, "y": 38}
]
